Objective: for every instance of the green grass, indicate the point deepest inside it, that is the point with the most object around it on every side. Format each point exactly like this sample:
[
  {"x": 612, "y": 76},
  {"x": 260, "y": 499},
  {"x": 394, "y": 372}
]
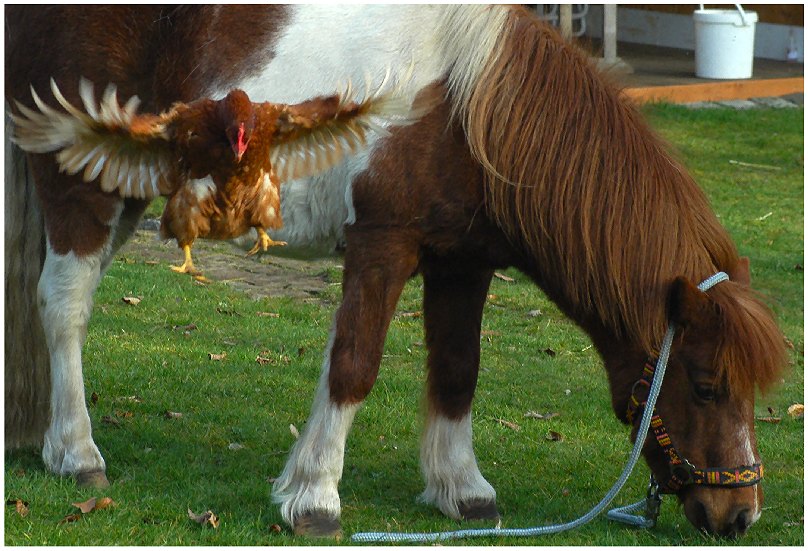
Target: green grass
[{"x": 161, "y": 467}]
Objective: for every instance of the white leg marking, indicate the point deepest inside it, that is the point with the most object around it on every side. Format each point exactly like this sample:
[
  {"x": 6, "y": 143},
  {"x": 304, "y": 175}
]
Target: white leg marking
[
  {"x": 312, "y": 473},
  {"x": 65, "y": 291},
  {"x": 449, "y": 466}
]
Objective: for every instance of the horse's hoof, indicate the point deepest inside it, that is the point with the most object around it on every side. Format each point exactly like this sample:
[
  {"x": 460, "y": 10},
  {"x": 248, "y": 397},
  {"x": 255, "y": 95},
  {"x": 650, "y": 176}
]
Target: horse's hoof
[
  {"x": 478, "y": 509},
  {"x": 318, "y": 524},
  {"x": 92, "y": 479}
]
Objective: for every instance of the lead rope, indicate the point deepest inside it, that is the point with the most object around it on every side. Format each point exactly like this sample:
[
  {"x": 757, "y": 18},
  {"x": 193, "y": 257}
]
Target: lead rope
[{"x": 622, "y": 513}]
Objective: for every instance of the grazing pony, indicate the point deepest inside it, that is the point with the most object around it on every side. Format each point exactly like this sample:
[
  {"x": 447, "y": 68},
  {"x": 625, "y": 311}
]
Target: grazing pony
[{"x": 533, "y": 161}]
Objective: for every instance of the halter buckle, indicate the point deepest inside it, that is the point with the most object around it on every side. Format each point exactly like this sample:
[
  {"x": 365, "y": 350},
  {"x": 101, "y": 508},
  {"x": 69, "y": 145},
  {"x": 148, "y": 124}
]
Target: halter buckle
[{"x": 683, "y": 472}]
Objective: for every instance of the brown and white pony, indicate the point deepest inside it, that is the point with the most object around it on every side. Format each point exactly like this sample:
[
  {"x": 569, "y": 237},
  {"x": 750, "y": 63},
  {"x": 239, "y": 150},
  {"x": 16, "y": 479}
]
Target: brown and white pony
[{"x": 534, "y": 161}]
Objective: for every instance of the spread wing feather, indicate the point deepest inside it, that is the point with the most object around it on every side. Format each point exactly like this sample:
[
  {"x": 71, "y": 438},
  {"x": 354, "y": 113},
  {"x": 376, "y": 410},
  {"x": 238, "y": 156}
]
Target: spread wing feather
[
  {"x": 305, "y": 145},
  {"x": 126, "y": 152}
]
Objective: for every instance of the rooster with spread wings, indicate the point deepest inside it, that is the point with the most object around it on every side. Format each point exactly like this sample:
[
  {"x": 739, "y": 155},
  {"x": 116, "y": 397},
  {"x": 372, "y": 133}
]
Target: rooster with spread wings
[{"x": 246, "y": 148}]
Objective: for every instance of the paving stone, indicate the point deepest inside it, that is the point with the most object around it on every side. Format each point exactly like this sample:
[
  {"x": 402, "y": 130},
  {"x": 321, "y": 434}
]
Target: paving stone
[
  {"x": 702, "y": 105},
  {"x": 738, "y": 104},
  {"x": 779, "y": 103}
]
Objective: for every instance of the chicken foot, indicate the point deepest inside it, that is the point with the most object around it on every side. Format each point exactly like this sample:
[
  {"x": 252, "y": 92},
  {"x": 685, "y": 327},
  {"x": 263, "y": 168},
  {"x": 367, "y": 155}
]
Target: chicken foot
[
  {"x": 187, "y": 266},
  {"x": 264, "y": 242}
]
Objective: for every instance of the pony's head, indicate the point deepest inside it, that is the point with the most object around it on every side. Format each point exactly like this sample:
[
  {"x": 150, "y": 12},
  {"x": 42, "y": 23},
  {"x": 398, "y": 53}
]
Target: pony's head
[{"x": 702, "y": 445}]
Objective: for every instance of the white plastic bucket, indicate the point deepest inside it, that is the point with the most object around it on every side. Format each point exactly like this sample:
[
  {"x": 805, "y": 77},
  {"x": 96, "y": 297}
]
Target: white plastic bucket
[{"x": 725, "y": 42}]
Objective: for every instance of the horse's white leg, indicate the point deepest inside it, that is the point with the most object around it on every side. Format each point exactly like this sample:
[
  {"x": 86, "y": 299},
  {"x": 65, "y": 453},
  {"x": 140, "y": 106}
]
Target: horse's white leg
[
  {"x": 377, "y": 265},
  {"x": 453, "y": 305},
  {"x": 454, "y": 483},
  {"x": 65, "y": 293},
  {"x": 309, "y": 481}
]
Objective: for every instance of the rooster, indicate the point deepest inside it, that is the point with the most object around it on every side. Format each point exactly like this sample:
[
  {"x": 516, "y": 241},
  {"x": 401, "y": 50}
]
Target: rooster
[{"x": 246, "y": 148}]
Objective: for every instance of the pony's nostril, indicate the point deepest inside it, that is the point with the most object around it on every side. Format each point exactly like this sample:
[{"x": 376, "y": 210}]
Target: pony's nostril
[{"x": 738, "y": 526}]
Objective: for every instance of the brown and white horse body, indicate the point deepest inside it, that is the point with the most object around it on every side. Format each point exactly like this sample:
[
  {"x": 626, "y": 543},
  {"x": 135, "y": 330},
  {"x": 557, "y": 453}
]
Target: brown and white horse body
[{"x": 424, "y": 200}]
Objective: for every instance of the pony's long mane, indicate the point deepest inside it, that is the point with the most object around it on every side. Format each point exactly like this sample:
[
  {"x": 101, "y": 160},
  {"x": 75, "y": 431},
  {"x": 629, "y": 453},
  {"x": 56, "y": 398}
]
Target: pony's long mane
[{"x": 577, "y": 179}]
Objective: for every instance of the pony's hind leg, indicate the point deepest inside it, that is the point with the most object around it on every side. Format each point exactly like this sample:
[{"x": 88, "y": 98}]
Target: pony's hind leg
[
  {"x": 376, "y": 269},
  {"x": 453, "y": 305},
  {"x": 65, "y": 292}
]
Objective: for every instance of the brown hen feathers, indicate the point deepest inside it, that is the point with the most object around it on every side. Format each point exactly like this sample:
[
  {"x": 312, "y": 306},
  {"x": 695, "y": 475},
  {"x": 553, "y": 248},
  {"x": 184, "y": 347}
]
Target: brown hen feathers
[{"x": 246, "y": 148}]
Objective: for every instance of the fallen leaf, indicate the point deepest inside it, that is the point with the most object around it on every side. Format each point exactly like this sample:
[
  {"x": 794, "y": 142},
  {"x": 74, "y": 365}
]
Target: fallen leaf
[
  {"x": 172, "y": 415},
  {"x": 132, "y": 301},
  {"x": 798, "y": 267},
  {"x": 94, "y": 398},
  {"x": 263, "y": 359},
  {"x": 567, "y": 392},
  {"x": 185, "y": 328},
  {"x": 488, "y": 333},
  {"x": 227, "y": 312},
  {"x": 550, "y": 352},
  {"x": 565, "y": 492},
  {"x": 534, "y": 313},
  {"x": 217, "y": 357},
  {"x": 509, "y": 424},
  {"x": 773, "y": 420},
  {"x": 110, "y": 420},
  {"x": 150, "y": 262},
  {"x": 294, "y": 431},
  {"x": 70, "y": 518},
  {"x": 103, "y": 503},
  {"x": 275, "y": 529},
  {"x": 123, "y": 414},
  {"x": 235, "y": 446},
  {"x": 206, "y": 518},
  {"x": 20, "y": 505},
  {"x": 554, "y": 436},
  {"x": 796, "y": 411},
  {"x": 409, "y": 315},
  {"x": 770, "y": 410},
  {"x": 300, "y": 351},
  {"x": 543, "y": 416},
  {"x": 503, "y": 277},
  {"x": 268, "y": 314},
  {"x": 86, "y": 506}
]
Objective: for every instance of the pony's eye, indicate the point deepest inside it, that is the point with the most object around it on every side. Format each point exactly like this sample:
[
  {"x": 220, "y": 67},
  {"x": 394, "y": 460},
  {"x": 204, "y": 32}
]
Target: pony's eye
[{"x": 705, "y": 393}]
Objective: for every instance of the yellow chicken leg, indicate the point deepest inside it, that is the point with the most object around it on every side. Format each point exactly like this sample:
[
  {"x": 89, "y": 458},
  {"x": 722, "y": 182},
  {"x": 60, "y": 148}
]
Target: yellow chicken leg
[
  {"x": 188, "y": 266},
  {"x": 264, "y": 242}
]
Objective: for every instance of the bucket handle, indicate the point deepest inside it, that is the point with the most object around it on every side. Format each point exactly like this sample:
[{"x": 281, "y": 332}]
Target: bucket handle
[{"x": 740, "y": 10}]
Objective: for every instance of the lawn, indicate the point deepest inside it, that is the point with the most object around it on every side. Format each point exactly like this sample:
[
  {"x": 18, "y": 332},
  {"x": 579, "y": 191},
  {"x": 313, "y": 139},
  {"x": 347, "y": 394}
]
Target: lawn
[{"x": 238, "y": 372}]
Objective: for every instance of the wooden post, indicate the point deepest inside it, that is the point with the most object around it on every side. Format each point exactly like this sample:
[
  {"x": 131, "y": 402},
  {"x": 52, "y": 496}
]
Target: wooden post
[
  {"x": 565, "y": 20},
  {"x": 610, "y": 33}
]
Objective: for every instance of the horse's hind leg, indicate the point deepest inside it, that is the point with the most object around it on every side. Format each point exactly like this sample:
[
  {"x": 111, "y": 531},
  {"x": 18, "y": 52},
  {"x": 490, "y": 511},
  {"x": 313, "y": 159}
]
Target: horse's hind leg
[
  {"x": 377, "y": 265},
  {"x": 453, "y": 305}
]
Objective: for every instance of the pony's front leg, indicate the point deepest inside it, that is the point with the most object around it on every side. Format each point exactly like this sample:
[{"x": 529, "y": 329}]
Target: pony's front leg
[
  {"x": 65, "y": 293},
  {"x": 453, "y": 305},
  {"x": 376, "y": 269}
]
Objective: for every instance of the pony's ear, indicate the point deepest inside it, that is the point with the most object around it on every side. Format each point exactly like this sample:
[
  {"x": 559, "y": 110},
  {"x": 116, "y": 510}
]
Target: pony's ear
[
  {"x": 740, "y": 274},
  {"x": 688, "y": 305}
]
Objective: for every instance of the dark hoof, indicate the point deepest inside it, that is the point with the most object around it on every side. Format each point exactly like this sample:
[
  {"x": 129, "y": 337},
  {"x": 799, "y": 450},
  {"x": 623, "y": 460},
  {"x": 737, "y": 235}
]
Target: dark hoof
[
  {"x": 478, "y": 509},
  {"x": 92, "y": 479},
  {"x": 318, "y": 524}
]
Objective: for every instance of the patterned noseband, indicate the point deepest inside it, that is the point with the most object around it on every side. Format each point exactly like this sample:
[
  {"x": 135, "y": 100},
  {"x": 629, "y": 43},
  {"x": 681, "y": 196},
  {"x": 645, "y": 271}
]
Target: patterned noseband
[{"x": 682, "y": 471}]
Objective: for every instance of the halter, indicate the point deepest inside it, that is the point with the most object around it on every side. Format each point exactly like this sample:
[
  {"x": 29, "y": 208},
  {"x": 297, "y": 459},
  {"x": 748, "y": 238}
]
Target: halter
[{"x": 682, "y": 471}]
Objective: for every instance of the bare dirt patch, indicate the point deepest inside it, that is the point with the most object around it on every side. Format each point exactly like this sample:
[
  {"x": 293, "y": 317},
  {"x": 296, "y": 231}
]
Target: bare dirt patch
[{"x": 262, "y": 275}]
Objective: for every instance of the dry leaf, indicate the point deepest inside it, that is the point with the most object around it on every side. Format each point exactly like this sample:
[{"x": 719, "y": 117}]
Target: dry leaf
[
  {"x": 503, "y": 277},
  {"x": 132, "y": 301},
  {"x": 487, "y": 333},
  {"x": 554, "y": 436},
  {"x": 206, "y": 518},
  {"x": 294, "y": 431},
  {"x": 543, "y": 416},
  {"x": 300, "y": 351},
  {"x": 268, "y": 315},
  {"x": 534, "y": 313},
  {"x": 185, "y": 328},
  {"x": 150, "y": 262},
  {"x": 235, "y": 446},
  {"x": 123, "y": 414},
  {"x": 508, "y": 424},
  {"x": 796, "y": 411},
  {"x": 217, "y": 357},
  {"x": 20, "y": 505},
  {"x": 94, "y": 398},
  {"x": 550, "y": 352},
  {"x": 409, "y": 315},
  {"x": 110, "y": 420},
  {"x": 172, "y": 415},
  {"x": 70, "y": 518},
  {"x": 275, "y": 529},
  {"x": 86, "y": 506},
  {"x": 773, "y": 420},
  {"x": 263, "y": 359},
  {"x": 227, "y": 312}
]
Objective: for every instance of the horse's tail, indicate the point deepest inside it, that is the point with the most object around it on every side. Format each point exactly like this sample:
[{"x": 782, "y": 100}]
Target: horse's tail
[{"x": 27, "y": 364}]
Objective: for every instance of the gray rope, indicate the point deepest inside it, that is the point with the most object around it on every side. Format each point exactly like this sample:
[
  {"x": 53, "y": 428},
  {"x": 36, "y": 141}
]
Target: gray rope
[{"x": 642, "y": 433}]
